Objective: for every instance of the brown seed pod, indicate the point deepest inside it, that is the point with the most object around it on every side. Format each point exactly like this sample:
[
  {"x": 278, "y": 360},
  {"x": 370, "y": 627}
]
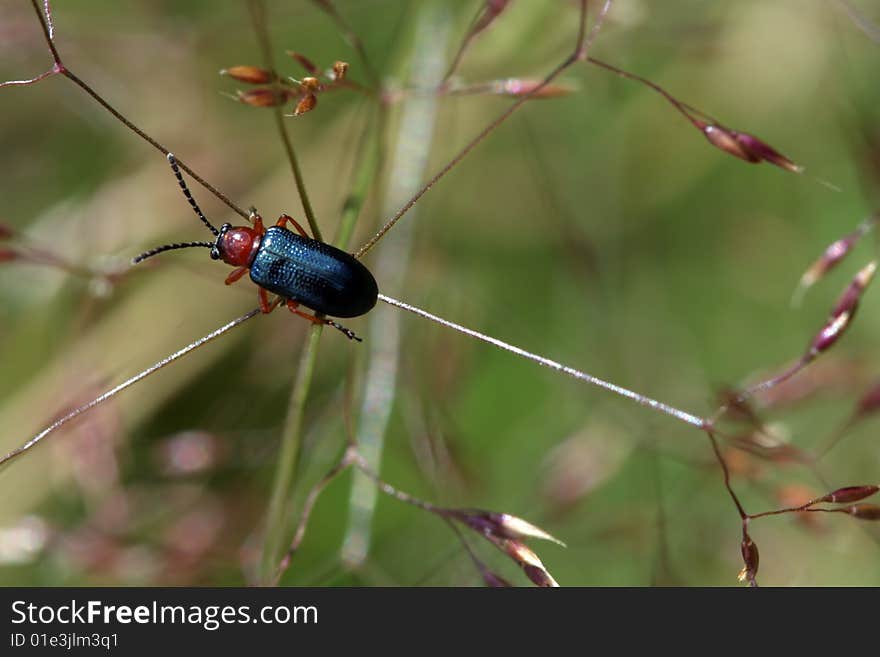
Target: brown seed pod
[
  {"x": 304, "y": 61},
  {"x": 763, "y": 151},
  {"x": 501, "y": 525},
  {"x": 849, "y": 494},
  {"x": 830, "y": 258},
  {"x": 493, "y": 580},
  {"x": 750, "y": 558},
  {"x": 723, "y": 139},
  {"x": 310, "y": 84},
  {"x": 528, "y": 561},
  {"x": 492, "y": 9},
  {"x": 864, "y": 511},
  {"x": 248, "y": 74},
  {"x": 306, "y": 104},
  {"x": 843, "y": 312},
  {"x": 339, "y": 70},
  {"x": 262, "y": 97}
]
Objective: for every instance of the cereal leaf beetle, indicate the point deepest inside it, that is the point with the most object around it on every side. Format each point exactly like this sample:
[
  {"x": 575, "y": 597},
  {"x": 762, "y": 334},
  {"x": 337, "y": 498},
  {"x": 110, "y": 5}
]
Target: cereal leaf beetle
[{"x": 300, "y": 269}]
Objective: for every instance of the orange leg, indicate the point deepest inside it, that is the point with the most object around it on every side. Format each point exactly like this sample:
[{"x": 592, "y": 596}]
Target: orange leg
[
  {"x": 293, "y": 307},
  {"x": 257, "y": 221},
  {"x": 235, "y": 275},
  {"x": 284, "y": 218},
  {"x": 265, "y": 306}
]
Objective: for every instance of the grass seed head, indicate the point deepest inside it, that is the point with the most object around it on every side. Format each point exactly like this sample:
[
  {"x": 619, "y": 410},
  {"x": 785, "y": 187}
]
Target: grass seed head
[
  {"x": 306, "y": 104},
  {"x": 248, "y": 74},
  {"x": 830, "y": 258},
  {"x": 501, "y": 525},
  {"x": 528, "y": 561},
  {"x": 750, "y": 560},
  {"x": 865, "y": 511},
  {"x": 338, "y": 72},
  {"x": 304, "y": 61},
  {"x": 763, "y": 151},
  {"x": 843, "y": 312},
  {"x": 492, "y": 9},
  {"x": 494, "y": 581},
  {"x": 849, "y": 494},
  {"x": 723, "y": 139},
  {"x": 261, "y": 97}
]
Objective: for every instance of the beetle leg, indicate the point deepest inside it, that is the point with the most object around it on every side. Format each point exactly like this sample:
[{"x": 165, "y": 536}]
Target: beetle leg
[
  {"x": 235, "y": 275},
  {"x": 284, "y": 218},
  {"x": 265, "y": 306},
  {"x": 257, "y": 221},
  {"x": 293, "y": 307}
]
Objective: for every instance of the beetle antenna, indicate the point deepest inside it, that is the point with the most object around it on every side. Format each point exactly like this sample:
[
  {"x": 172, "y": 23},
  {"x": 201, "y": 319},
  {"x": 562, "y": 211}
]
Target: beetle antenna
[
  {"x": 189, "y": 197},
  {"x": 169, "y": 247}
]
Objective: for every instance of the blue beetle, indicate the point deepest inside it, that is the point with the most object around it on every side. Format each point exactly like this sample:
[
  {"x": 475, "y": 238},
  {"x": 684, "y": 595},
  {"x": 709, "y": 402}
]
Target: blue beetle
[{"x": 299, "y": 269}]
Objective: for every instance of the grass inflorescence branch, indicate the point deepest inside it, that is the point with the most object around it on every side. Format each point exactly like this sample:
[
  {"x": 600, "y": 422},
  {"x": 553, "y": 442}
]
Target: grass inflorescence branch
[{"x": 58, "y": 68}]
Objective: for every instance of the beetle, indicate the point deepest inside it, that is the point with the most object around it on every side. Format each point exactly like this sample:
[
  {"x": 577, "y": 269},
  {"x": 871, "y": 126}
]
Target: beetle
[{"x": 299, "y": 269}]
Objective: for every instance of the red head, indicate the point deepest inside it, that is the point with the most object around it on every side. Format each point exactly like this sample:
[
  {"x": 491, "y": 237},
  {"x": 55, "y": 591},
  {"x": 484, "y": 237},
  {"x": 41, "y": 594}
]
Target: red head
[{"x": 236, "y": 246}]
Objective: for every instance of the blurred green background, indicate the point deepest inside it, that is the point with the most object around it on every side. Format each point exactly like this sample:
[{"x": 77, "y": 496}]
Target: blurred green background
[{"x": 598, "y": 228}]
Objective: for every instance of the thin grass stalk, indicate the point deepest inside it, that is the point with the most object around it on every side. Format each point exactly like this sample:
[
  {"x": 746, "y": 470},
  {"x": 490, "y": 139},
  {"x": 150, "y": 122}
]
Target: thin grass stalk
[
  {"x": 278, "y": 522},
  {"x": 258, "y": 17},
  {"x": 582, "y": 47},
  {"x": 408, "y": 166},
  {"x": 620, "y": 391},
  {"x": 366, "y": 172},
  {"x": 103, "y": 397},
  {"x": 291, "y": 434},
  {"x": 58, "y": 68},
  {"x": 308, "y": 506},
  {"x": 868, "y": 27},
  {"x": 277, "y": 517}
]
